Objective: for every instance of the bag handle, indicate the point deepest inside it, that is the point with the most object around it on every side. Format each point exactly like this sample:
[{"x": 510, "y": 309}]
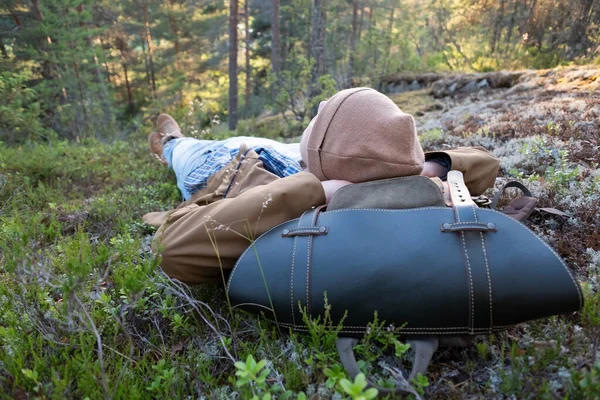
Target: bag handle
[
  {"x": 423, "y": 348},
  {"x": 519, "y": 208},
  {"x": 515, "y": 184}
]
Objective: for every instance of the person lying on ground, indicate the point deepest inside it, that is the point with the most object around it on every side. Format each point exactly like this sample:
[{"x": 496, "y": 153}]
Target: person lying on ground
[{"x": 358, "y": 135}]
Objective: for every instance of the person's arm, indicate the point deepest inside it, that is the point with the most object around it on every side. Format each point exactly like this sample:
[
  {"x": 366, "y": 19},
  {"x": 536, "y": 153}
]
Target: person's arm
[
  {"x": 197, "y": 241},
  {"x": 478, "y": 166}
]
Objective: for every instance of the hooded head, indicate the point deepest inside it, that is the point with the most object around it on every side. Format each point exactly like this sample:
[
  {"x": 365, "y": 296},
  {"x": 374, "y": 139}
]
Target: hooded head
[{"x": 360, "y": 135}]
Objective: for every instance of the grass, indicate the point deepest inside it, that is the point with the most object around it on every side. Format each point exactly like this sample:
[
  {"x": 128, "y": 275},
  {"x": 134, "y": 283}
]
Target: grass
[
  {"x": 86, "y": 312},
  {"x": 415, "y": 102}
]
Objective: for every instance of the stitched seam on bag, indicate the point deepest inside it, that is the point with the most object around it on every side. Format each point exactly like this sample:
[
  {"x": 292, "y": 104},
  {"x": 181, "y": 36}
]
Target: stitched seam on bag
[
  {"x": 466, "y": 225},
  {"x": 245, "y": 251},
  {"x": 487, "y": 267},
  {"x": 471, "y": 295},
  {"x": 472, "y": 299},
  {"x": 487, "y": 270},
  {"x": 310, "y": 239},
  {"x": 292, "y": 279},
  {"x": 404, "y": 329},
  {"x": 577, "y": 288},
  {"x": 309, "y": 229},
  {"x": 423, "y": 331},
  {"x": 384, "y": 209},
  {"x": 293, "y": 264},
  {"x": 308, "y": 262}
]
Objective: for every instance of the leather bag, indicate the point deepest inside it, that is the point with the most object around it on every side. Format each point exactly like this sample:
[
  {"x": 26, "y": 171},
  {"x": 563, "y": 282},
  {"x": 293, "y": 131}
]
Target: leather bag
[{"x": 443, "y": 273}]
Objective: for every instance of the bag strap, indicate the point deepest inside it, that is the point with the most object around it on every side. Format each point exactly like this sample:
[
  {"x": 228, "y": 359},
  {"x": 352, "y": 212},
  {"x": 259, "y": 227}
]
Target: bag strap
[{"x": 423, "y": 348}]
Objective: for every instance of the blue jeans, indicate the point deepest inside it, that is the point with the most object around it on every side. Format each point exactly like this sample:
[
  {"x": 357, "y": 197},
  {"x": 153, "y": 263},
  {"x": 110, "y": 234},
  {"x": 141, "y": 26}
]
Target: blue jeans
[{"x": 184, "y": 155}]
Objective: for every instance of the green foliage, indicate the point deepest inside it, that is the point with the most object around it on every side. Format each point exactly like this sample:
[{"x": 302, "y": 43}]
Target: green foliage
[
  {"x": 431, "y": 138},
  {"x": 323, "y": 333},
  {"x": 252, "y": 377},
  {"x": 483, "y": 350},
  {"x": 590, "y": 382},
  {"x": 420, "y": 382},
  {"x": 296, "y": 94},
  {"x": 590, "y": 315},
  {"x": 357, "y": 390},
  {"x": 161, "y": 382},
  {"x": 334, "y": 375},
  {"x": 400, "y": 348},
  {"x": 20, "y": 111},
  {"x": 251, "y": 371}
]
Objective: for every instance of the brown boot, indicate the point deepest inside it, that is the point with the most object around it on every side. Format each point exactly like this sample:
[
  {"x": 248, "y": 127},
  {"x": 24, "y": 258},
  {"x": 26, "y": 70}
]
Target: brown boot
[
  {"x": 155, "y": 141},
  {"x": 168, "y": 127}
]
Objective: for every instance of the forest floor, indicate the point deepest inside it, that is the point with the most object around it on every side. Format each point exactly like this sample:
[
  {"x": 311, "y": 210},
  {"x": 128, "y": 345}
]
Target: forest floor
[{"x": 86, "y": 312}]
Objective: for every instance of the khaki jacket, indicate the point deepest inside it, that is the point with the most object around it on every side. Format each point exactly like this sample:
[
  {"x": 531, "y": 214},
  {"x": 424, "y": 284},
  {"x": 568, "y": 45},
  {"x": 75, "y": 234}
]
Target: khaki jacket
[{"x": 201, "y": 240}]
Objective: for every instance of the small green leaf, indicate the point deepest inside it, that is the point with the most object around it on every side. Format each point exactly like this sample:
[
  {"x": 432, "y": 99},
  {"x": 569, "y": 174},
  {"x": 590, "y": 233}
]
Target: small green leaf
[{"x": 401, "y": 348}]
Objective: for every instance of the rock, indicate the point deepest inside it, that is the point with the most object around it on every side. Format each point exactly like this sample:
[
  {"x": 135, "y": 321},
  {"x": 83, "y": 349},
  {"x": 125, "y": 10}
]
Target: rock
[
  {"x": 483, "y": 84},
  {"x": 398, "y": 88},
  {"x": 471, "y": 86},
  {"x": 408, "y": 81},
  {"x": 503, "y": 79},
  {"x": 435, "y": 107},
  {"x": 414, "y": 85},
  {"x": 452, "y": 87},
  {"x": 361, "y": 81}
]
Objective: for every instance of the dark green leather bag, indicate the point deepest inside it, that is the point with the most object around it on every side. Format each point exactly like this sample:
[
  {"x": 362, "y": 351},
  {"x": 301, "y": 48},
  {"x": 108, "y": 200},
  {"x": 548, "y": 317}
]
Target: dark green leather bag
[{"x": 441, "y": 272}]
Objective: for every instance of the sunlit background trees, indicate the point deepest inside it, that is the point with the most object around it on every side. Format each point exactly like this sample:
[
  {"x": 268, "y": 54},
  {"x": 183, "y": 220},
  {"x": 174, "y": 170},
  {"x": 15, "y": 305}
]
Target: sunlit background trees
[{"x": 80, "y": 68}]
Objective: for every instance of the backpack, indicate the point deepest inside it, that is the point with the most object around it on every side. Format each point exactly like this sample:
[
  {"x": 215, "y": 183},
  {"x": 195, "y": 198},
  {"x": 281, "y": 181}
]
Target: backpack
[{"x": 395, "y": 247}]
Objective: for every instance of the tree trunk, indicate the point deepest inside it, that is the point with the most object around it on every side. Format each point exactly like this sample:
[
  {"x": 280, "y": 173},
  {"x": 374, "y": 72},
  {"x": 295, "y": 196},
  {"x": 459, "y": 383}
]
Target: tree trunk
[
  {"x": 81, "y": 91},
  {"x": 317, "y": 47},
  {"x": 247, "y": 51},
  {"x": 128, "y": 86},
  {"x": 149, "y": 43},
  {"x": 174, "y": 29},
  {"x": 360, "y": 24},
  {"x": 35, "y": 8},
  {"x": 373, "y": 52},
  {"x": 388, "y": 48},
  {"x": 233, "y": 67},
  {"x": 121, "y": 45},
  {"x": 275, "y": 43},
  {"x": 15, "y": 17},
  {"x": 3, "y": 48},
  {"x": 143, "y": 41},
  {"x": 511, "y": 25},
  {"x": 108, "y": 74},
  {"x": 83, "y": 120},
  {"x": 106, "y": 106},
  {"x": 577, "y": 38},
  {"x": 47, "y": 66},
  {"x": 352, "y": 44},
  {"x": 497, "y": 27},
  {"x": 523, "y": 26}
]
